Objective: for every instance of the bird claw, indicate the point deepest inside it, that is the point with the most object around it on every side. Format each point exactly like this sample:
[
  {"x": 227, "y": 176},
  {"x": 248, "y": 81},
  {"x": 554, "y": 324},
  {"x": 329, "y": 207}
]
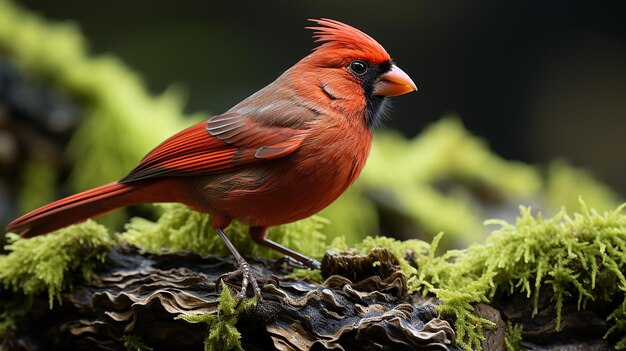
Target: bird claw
[{"x": 245, "y": 272}]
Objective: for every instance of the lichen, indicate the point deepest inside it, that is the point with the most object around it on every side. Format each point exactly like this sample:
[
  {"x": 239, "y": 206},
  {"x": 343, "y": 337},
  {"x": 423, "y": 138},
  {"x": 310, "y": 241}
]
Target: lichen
[
  {"x": 180, "y": 228},
  {"x": 43, "y": 263},
  {"x": 222, "y": 333}
]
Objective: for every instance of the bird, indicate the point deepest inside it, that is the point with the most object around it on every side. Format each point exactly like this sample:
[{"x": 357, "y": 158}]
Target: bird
[{"x": 282, "y": 154}]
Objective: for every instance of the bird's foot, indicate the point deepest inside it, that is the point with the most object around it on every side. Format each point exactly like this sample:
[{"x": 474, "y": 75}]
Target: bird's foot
[{"x": 247, "y": 278}]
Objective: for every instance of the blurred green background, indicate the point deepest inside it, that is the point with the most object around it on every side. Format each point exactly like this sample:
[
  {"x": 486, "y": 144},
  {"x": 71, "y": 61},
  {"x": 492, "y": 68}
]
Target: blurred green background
[{"x": 536, "y": 80}]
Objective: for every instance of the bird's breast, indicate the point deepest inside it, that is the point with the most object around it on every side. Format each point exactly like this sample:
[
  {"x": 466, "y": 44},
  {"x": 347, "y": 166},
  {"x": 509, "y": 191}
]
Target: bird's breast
[
  {"x": 296, "y": 186},
  {"x": 335, "y": 155}
]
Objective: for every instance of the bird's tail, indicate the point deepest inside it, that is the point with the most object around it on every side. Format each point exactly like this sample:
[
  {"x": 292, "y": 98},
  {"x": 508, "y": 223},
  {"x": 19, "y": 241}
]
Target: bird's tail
[{"x": 75, "y": 208}]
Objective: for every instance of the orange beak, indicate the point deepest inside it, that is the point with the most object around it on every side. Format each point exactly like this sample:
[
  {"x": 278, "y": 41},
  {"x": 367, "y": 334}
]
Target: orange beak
[{"x": 393, "y": 83}]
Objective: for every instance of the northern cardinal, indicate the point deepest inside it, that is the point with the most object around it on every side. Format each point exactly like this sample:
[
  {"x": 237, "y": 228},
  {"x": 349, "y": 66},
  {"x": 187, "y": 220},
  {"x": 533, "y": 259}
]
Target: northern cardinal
[{"x": 281, "y": 155}]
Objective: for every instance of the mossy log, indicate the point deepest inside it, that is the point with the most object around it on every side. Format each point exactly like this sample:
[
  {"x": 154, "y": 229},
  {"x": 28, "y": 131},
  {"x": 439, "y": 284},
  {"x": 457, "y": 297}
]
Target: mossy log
[
  {"x": 138, "y": 297},
  {"x": 135, "y": 301}
]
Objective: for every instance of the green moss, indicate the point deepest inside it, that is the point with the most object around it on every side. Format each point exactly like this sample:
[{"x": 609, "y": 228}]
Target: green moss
[
  {"x": 115, "y": 135},
  {"x": 182, "y": 229},
  {"x": 314, "y": 275},
  {"x": 404, "y": 178},
  {"x": 579, "y": 257},
  {"x": 7, "y": 323},
  {"x": 352, "y": 215},
  {"x": 42, "y": 263},
  {"x": 122, "y": 121},
  {"x": 618, "y": 318},
  {"x": 513, "y": 336},
  {"x": 563, "y": 177},
  {"x": 134, "y": 343},
  {"x": 9, "y": 317},
  {"x": 39, "y": 182},
  {"x": 222, "y": 333},
  {"x": 305, "y": 236},
  {"x": 403, "y": 175},
  {"x": 177, "y": 229}
]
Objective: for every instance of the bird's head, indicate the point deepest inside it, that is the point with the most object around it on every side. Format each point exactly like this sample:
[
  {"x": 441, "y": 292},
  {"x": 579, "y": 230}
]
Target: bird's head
[{"x": 354, "y": 56}]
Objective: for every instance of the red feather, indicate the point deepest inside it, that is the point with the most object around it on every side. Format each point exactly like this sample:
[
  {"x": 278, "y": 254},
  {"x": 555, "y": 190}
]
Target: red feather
[
  {"x": 223, "y": 143},
  {"x": 71, "y": 209},
  {"x": 337, "y": 37}
]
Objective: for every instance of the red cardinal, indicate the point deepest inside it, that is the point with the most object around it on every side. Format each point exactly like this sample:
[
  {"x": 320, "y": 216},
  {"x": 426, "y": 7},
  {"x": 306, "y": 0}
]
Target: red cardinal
[{"x": 280, "y": 155}]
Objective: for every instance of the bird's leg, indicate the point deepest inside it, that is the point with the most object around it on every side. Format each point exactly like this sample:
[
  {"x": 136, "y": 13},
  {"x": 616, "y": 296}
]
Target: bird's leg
[
  {"x": 259, "y": 236},
  {"x": 244, "y": 269}
]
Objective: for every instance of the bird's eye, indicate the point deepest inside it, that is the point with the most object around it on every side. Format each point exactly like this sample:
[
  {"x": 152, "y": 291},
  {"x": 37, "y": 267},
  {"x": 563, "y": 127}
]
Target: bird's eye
[{"x": 358, "y": 67}]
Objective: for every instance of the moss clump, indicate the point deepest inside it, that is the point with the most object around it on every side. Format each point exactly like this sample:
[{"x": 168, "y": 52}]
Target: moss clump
[
  {"x": 180, "y": 228},
  {"x": 134, "y": 343},
  {"x": 580, "y": 256},
  {"x": 177, "y": 229},
  {"x": 513, "y": 336},
  {"x": 618, "y": 318},
  {"x": 9, "y": 317},
  {"x": 222, "y": 333},
  {"x": 41, "y": 264}
]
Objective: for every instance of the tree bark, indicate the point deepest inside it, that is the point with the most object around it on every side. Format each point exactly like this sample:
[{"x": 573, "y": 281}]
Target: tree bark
[
  {"x": 140, "y": 295},
  {"x": 359, "y": 306}
]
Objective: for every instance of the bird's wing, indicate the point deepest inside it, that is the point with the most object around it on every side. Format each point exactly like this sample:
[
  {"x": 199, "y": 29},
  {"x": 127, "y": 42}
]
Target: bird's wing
[{"x": 222, "y": 143}]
